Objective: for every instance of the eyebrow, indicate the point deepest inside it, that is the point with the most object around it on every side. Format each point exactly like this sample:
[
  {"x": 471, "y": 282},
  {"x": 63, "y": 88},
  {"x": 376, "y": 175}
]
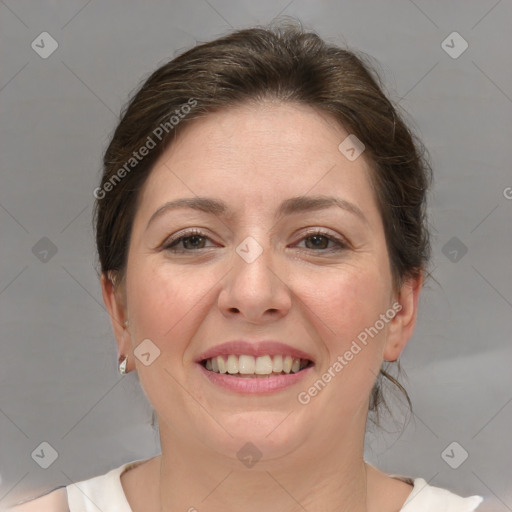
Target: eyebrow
[{"x": 290, "y": 206}]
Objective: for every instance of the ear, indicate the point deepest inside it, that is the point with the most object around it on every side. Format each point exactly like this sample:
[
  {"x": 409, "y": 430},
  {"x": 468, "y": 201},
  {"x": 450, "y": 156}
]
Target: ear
[
  {"x": 402, "y": 325},
  {"x": 115, "y": 302}
]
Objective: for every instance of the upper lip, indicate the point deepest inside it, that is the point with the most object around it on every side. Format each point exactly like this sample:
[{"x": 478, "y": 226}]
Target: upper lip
[{"x": 253, "y": 348}]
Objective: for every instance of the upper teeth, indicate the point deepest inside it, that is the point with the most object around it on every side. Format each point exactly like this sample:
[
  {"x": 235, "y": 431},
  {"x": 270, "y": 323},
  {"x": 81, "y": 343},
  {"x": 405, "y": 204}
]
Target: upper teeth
[{"x": 262, "y": 365}]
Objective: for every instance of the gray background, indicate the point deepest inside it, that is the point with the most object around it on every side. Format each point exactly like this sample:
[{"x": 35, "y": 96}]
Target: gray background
[{"x": 58, "y": 372}]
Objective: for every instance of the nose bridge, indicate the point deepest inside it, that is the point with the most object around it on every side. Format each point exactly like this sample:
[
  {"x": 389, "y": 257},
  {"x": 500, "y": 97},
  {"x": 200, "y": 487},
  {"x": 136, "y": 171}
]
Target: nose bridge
[
  {"x": 253, "y": 287},
  {"x": 253, "y": 264}
]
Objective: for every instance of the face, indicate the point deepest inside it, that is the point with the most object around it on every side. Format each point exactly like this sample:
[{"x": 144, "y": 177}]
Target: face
[{"x": 314, "y": 276}]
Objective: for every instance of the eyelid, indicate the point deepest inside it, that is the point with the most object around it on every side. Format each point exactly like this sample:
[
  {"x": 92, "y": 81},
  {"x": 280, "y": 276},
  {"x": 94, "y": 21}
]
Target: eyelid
[
  {"x": 185, "y": 233},
  {"x": 340, "y": 241}
]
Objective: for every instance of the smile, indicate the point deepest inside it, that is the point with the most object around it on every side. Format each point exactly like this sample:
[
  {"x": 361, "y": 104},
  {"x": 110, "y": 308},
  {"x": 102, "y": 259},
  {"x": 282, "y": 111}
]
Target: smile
[
  {"x": 245, "y": 374},
  {"x": 250, "y": 366}
]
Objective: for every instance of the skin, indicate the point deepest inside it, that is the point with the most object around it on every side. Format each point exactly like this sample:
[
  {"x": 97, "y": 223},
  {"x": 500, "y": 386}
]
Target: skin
[{"x": 253, "y": 157}]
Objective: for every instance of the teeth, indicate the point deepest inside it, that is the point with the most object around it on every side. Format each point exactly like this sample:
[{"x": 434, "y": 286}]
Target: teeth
[
  {"x": 263, "y": 365},
  {"x": 277, "y": 365},
  {"x": 232, "y": 364},
  {"x": 246, "y": 364},
  {"x": 249, "y": 365},
  {"x": 222, "y": 365}
]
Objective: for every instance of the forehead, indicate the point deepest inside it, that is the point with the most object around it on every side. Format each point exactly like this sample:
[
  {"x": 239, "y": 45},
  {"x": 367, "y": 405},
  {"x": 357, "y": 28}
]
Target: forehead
[{"x": 258, "y": 153}]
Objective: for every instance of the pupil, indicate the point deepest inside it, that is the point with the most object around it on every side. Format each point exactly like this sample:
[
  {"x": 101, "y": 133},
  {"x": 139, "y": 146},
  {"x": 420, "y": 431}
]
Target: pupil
[
  {"x": 192, "y": 241},
  {"x": 319, "y": 241}
]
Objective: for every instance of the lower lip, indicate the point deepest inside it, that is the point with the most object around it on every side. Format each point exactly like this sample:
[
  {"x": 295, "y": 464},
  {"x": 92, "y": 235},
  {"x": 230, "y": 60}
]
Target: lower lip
[{"x": 260, "y": 385}]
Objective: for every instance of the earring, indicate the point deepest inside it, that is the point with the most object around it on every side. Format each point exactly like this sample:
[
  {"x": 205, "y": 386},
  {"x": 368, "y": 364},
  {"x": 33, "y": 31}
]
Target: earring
[{"x": 122, "y": 365}]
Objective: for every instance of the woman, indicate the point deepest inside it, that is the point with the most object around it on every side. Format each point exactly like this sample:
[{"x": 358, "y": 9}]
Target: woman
[{"x": 262, "y": 239}]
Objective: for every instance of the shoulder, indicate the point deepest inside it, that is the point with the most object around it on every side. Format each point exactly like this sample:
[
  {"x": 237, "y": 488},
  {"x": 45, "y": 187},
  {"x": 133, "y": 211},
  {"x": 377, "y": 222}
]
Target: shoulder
[
  {"x": 54, "y": 501},
  {"x": 405, "y": 494},
  {"x": 425, "y": 495},
  {"x": 105, "y": 491}
]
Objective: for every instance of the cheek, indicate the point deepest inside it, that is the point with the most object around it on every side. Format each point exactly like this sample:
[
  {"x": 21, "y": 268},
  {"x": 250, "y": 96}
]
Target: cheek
[
  {"x": 347, "y": 303},
  {"x": 165, "y": 306},
  {"x": 162, "y": 300},
  {"x": 344, "y": 308}
]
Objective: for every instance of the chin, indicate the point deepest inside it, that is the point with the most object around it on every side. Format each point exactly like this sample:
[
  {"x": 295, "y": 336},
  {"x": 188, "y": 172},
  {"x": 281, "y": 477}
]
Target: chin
[{"x": 266, "y": 434}]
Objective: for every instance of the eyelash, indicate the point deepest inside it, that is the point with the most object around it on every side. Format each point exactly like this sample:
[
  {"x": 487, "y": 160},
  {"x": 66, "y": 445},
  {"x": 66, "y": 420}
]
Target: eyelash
[{"x": 341, "y": 244}]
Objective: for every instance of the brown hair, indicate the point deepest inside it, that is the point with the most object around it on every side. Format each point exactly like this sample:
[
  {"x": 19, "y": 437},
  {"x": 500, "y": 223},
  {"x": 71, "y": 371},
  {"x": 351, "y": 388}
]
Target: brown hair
[{"x": 288, "y": 64}]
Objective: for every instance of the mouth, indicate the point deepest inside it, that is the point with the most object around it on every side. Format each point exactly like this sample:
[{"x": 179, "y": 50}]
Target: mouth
[
  {"x": 255, "y": 367},
  {"x": 248, "y": 366}
]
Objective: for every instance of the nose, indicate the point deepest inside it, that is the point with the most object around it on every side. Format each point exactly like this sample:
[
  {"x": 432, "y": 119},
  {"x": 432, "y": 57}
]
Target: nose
[{"x": 255, "y": 290}]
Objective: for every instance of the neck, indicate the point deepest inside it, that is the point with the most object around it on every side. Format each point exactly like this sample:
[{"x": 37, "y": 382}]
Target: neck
[{"x": 328, "y": 474}]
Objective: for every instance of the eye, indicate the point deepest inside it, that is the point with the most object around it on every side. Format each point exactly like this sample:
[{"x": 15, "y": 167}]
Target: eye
[
  {"x": 319, "y": 240},
  {"x": 195, "y": 240},
  {"x": 189, "y": 241}
]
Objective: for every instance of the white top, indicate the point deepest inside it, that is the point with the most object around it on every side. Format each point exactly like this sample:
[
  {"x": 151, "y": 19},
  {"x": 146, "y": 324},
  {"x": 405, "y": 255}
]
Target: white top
[{"x": 105, "y": 493}]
